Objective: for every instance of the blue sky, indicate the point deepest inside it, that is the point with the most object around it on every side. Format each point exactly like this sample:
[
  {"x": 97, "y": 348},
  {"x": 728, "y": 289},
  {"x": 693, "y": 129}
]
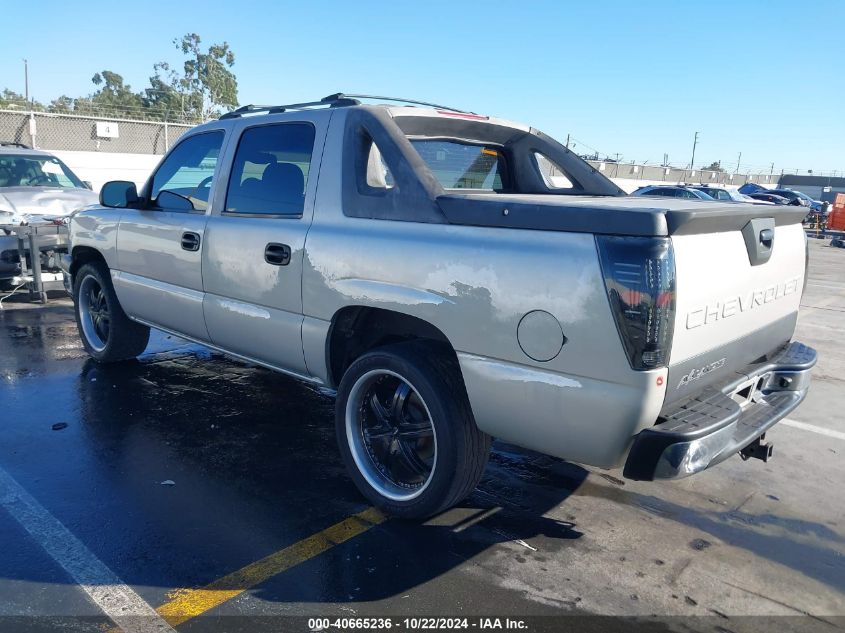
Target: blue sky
[{"x": 638, "y": 78}]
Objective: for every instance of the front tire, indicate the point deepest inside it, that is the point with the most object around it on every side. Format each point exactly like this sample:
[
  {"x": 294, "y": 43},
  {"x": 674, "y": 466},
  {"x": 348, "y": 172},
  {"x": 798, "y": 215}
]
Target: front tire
[
  {"x": 106, "y": 332},
  {"x": 406, "y": 431}
]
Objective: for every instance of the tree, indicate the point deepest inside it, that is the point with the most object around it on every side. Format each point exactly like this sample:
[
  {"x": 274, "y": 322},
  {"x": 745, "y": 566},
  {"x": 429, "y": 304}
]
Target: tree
[
  {"x": 205, "y": 87},
  {"x": 714, "y": 166},
  {"x": 114, "y": 96},
  {"x": 163, "y": 100},
  {"x": 63, "y": 104},
  {"x": 11, "y": 100},
  {"x": 206, "y": 84}
]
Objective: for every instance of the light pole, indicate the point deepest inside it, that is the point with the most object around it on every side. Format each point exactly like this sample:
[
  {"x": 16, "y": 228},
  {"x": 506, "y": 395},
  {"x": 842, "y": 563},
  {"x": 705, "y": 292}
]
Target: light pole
[
  {"x": 738, "y": 160},
  {"x": 26, "y": 79},
  {"x": 694, "y": 143}
]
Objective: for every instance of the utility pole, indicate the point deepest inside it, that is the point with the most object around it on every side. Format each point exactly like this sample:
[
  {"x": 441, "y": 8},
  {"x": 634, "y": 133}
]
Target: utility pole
[
  {"x": 772, "y": 169},
  {"x": 26, "y": 79},
  {"x": 738, "y": 160},
  {"x": 694, "y": 143},
  {"x": 567, "y": 141}
]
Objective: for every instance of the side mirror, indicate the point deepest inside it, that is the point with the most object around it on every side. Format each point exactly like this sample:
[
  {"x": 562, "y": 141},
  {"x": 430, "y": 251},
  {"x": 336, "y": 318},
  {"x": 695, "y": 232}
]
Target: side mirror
[
  {"x": 88, "y": 184},
  {"x": 173, "y": 201},
  {"x": 119, "y": 194}
]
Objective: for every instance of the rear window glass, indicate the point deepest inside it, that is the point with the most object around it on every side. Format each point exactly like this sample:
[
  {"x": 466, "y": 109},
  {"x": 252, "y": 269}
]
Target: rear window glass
[{"x": 462, "y": 165}]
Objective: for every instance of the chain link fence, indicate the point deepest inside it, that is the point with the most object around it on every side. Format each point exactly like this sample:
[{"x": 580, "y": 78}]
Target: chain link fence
[
  {"x": 52, "y": 131},
  {"x": 70, "y": 132},
  {"x": 674, "y": 175}
]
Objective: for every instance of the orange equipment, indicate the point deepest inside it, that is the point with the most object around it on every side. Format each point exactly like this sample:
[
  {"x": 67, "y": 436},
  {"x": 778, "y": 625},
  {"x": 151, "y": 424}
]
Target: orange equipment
[{"x": 836, "y": 217}]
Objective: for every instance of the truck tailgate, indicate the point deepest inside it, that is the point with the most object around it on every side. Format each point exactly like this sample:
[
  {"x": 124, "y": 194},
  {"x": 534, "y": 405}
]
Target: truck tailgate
[{"x": 734, "y": 306}]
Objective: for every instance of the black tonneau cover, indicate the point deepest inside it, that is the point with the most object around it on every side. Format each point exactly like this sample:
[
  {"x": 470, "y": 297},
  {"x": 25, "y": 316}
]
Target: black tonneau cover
[{"x": 609, "y": 215}]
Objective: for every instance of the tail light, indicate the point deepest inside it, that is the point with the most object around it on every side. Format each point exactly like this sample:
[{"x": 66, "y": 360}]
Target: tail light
[
  {"x": 806, "y": 263},
  {"x": 639, "y": 275}
]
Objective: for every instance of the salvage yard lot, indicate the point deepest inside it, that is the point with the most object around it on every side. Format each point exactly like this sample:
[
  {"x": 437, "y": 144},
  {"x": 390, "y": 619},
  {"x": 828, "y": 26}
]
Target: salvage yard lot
[{"x": 186, "y": 486}]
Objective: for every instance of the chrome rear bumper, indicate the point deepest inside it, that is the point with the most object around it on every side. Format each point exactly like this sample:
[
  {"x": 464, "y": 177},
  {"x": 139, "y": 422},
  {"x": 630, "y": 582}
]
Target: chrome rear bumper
[{"x": 717, "y": 423}]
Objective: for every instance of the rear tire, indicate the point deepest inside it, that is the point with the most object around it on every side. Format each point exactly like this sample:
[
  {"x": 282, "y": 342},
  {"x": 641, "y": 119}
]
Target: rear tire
[
  {"x": 106, "y": 332},
  {"x": 406, "y": 431}
]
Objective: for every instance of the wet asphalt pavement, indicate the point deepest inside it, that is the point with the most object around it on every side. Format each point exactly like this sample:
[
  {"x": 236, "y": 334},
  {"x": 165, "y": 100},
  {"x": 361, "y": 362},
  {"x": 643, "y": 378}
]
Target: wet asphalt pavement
[{"x": 255, "y": 470}]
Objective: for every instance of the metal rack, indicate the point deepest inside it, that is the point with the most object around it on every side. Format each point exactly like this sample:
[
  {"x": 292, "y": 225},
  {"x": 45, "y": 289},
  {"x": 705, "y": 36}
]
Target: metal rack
[
  {"x": 37, "y": 281},
  {"x": 337, "y": 100}
]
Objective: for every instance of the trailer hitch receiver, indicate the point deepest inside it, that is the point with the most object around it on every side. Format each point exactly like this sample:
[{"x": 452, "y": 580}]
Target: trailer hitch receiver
[{"x": 758, "y": 449}]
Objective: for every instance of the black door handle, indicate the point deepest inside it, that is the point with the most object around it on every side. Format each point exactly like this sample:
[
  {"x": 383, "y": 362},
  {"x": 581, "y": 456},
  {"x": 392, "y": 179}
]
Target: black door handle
[
  {"x": 190, "y": 241},
  {"x": 277, "y": 254},
  {"x": 767, "y": 236}
]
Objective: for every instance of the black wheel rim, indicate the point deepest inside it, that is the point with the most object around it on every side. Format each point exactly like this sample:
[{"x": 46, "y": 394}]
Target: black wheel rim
[
  {"x": 94, "y": 313},
  {"x": 391, "y": 435}
]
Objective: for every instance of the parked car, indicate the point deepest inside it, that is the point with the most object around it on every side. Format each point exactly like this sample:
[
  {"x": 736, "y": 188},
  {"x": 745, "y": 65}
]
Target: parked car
[
  {"x": 424, "y": 263},
  {"x": 35, "y": 186},
  {"x": 719, "y": 193},
  {"x": 671, "y": 191},
  {"x": 773, "y": 198},
  {"x": 815, "y": 205},
  {"x": 790, "y": 194},
  {"x": 794, "y": 197}
]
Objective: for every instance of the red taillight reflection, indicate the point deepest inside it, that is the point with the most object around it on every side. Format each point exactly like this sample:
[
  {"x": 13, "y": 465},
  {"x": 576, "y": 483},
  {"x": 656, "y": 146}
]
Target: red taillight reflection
[
  {"x": 664, "y": 299},
  {"x": 631, "y": 297}
]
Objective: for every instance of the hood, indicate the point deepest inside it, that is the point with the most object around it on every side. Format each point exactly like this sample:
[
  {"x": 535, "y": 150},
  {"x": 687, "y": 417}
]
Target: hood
[{"x": 42, "y": 202}]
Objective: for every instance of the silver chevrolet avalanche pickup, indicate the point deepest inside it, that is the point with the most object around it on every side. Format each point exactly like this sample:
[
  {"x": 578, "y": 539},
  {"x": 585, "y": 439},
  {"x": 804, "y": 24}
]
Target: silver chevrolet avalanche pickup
[{"x": 454, "y": 277}]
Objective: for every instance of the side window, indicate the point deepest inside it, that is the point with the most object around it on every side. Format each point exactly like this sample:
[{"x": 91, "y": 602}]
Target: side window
[
  {"x": 687, "y": 194},
  {"x": 270, "y": 170},
  {"x": 185, "y": 175},
  {"x": 553, "y": 176},
  {"x": 661, "y": 192}
]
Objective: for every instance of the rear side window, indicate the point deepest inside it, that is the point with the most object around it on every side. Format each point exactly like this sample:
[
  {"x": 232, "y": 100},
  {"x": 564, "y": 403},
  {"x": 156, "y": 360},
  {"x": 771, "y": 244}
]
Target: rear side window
[
  {"x": 553, "y": 175},
  {"x": 270, "y": 170},
  {"x": 459, "y": 165},
  {"x": 378, "y": 175}
]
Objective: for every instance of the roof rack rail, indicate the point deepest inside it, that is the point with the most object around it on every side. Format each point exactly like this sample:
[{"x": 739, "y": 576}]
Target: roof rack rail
[
  {"x": 341, "y": 95},
  {"x": 333, "y": 101},
  {"x": 14, "y": 144},
  {"x": 337, "y": 100}
]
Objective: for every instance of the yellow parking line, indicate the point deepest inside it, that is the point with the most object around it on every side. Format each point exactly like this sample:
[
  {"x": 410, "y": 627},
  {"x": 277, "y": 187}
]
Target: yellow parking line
[{"x": 195, "y": 602}]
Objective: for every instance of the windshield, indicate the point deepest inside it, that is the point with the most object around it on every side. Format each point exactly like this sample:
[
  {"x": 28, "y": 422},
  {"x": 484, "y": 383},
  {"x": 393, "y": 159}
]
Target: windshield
[
  {"x": 17, "y": 170},
  {"x": 462, "y": 165},
  {"x": 702, "y": 195}
]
